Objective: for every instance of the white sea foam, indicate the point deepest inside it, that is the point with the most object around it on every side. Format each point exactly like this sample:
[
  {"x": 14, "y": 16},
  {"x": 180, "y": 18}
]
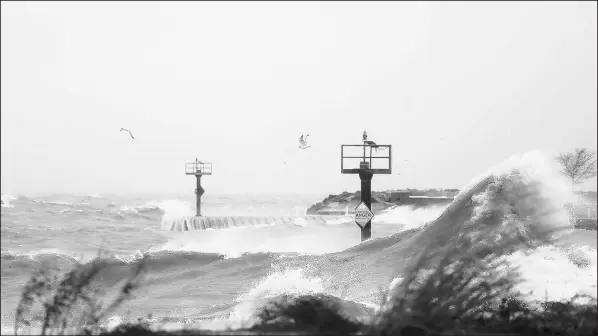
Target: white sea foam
[
  {"x": 557, "y": 274},
  {"x": 6, "y": 201}
]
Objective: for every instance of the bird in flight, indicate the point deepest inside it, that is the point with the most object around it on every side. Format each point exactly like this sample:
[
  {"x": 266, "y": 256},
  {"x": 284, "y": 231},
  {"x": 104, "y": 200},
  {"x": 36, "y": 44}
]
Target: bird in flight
[
  {"x": 303, "y": 142},
  {"x": 126, "y": 130}
]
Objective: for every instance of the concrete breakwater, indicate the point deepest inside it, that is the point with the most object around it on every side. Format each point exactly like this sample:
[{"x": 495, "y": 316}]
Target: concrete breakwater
[{"x": 194, "y": 223}]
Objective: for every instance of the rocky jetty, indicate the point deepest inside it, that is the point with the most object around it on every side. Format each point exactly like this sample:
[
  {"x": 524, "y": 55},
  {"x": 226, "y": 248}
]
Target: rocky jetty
[{"x": 345, "y": 203}]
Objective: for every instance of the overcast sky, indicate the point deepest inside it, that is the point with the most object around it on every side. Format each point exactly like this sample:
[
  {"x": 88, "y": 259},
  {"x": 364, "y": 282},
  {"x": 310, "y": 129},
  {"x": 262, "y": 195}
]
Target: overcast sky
[{"x": 454, "y": 87}]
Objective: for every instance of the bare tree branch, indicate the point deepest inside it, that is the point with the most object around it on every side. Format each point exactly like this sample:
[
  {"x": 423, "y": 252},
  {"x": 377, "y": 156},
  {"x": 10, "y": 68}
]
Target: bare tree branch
[{"x": 578, "y": 166}]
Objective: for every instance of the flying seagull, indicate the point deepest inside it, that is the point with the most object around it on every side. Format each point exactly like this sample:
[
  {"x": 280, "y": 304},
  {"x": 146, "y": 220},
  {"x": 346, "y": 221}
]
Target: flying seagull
[
  {"x": 303, "y": 142},
  {"x": 126, "y": 130}
]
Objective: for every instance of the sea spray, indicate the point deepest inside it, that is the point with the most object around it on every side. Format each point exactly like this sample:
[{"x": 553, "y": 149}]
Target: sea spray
[
  {"x": 412, "y": 217},
  {"x": 525, "y": 198},
  {"x": 174, "y": 209}
]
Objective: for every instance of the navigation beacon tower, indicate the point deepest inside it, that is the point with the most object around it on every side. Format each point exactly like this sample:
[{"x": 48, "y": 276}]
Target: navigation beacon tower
[{"x": 198, "y": 169}]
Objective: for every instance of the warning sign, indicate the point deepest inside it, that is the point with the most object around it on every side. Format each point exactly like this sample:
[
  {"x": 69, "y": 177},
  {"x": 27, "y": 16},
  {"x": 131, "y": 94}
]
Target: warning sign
[{"x": 363, "y": 214}]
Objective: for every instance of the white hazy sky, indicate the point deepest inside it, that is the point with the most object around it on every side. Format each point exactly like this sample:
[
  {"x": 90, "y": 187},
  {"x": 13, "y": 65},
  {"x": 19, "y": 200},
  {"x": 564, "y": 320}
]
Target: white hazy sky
[{"x": 454, "y": 87}]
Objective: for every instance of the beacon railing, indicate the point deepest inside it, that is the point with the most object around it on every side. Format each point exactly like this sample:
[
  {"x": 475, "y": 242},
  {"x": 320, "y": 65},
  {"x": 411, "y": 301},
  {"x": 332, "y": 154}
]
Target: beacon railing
[
  {"x": 366, "y": 163},
  {"x": 198, "y": 168}
]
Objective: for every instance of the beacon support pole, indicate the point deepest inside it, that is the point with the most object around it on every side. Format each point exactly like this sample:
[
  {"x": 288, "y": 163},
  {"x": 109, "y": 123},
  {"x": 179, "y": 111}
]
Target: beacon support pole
[
  {"x": 198, "y": 169},
  {"x": 198, "y": 196},
  {"x": 366, "y": 197}
]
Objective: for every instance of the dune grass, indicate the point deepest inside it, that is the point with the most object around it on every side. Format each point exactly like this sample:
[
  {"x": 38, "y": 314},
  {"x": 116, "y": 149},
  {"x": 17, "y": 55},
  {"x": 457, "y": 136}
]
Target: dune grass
[{"x": 73, "y": 301}]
